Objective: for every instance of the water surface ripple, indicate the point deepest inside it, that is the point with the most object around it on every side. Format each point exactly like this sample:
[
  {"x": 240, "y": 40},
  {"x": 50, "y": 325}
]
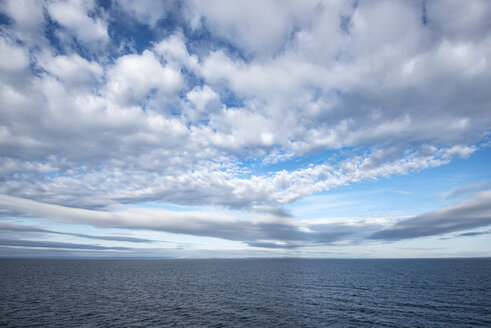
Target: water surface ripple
[{"x": 245, "y": 293}]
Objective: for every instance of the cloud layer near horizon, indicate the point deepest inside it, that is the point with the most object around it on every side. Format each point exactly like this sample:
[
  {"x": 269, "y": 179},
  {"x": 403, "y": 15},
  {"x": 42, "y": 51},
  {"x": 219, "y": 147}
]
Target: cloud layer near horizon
[
  {"x": 266, "y": 231},
  {"x": 245, "y": 105}
]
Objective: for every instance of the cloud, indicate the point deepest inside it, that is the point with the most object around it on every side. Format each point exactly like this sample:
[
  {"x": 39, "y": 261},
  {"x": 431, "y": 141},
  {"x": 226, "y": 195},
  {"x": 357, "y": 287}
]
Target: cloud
[
  {"x": 468, "y": 214},
  {"x": 264, "y": 230},
  {"x": 27, "y": 229},
  {"x": 77, "y": 18},
  {"x": 273, "y": 245},
  {"x": 134, "y": 76},
  {"x": 27, "y": 15},
  {"x": 14, "y": 59},
  {"x": 73, "y": 69},
  {"x": 457, "y": 20},
  {"x": 213, "y": 183},
  {"x": 199, "y": 97},
  {"x": 173, "y": 49},
  {"x": 466, "y": 190},
  {"x": 267, "y": 231},
  {"x": 55, "y": 244},
  {"x": 28, "y": 19},
  {"x": 145, "y": 11},
  {"x": 223, "y": 103},
  {"x": 468, "y": 234}
]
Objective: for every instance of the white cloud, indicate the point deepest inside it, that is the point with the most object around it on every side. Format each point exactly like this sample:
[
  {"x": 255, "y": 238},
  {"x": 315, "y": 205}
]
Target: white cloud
[
  {"x": 196, "y": 116},
  {"x": 201, "y": 96},
  {"x": 145, "y": 11},
  {"x": 73, "y": 69},
  {"x": 12, "y": 58},
  {"x": 183, "y": 178},
  {"x": 27, "y": 15},
  {"x": 133, "y": 77},
  {"x": 258, "y": 28},
  {"x": 74, "y": 16},
  {"x": 174, "y": 49}
]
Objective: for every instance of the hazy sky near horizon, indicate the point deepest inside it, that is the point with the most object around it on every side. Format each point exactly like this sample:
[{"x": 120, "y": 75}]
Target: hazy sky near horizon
[{"x": 245, "y": 128}]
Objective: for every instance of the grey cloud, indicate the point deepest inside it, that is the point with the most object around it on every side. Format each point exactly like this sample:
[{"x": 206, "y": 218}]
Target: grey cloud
[
  {"x": 458, "y": 20},
  {"x": 11, "y": 252},
  {"x": 22, "y": 228},
  {"x": 468, "y": 234},
  {"x": 468, "y": 214},
  {"x": 55, "y": 244},
  {"x": 259, "y": 29},
  {"x": 266, "y": 231},
  {"x": 465, "y": 190},
  {"x": 111, "y": 238},
  {"x": 473, "y": 233},
  {"x": 50, "y": 253},
  {"x": 34, "y": 249},
  {"x": 19, "y": 228},
  {"x": 261, "y": 230},
  {"x": 273, "y": 245}
]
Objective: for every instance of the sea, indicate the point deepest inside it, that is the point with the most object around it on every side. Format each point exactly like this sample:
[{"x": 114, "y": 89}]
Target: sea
[{"x": 245, "y": 293}]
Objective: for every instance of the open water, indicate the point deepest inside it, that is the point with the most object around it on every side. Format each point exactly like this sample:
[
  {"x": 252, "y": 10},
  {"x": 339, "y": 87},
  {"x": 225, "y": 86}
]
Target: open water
[{"x": 245, "y": 293}]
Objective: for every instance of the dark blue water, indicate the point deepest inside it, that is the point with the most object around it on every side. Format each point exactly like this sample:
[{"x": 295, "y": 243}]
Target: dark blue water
[{"x": 245, "y": 293}]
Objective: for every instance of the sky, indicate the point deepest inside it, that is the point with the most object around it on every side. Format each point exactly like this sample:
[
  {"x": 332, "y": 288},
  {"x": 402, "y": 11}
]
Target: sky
[{"x": 223, "y": 129}]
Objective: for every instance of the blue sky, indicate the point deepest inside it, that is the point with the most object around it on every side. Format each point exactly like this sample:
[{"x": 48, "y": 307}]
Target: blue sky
[{"x": 183, "y": 129}]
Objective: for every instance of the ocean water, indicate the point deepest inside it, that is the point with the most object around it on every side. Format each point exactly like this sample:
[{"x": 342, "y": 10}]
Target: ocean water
[{"x": 245, "y": 293}]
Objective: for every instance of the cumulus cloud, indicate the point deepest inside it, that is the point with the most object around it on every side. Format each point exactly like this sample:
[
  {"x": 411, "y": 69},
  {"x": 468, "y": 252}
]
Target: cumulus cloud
[
  {"x": 133, "y": 77},
  {"x": 223, "y": 100},
  {"x": 77, "y": 17},
  {"x": 174, "y": 50},
  {"x": 199, "y": 97},
  {"x": 145, "y": 11},
  {"x": 27, "y": 15},
  {"x": 15, "y": 59},
  {"x": 73, "y": 69},
  {"x": 28, "y": 19}
]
